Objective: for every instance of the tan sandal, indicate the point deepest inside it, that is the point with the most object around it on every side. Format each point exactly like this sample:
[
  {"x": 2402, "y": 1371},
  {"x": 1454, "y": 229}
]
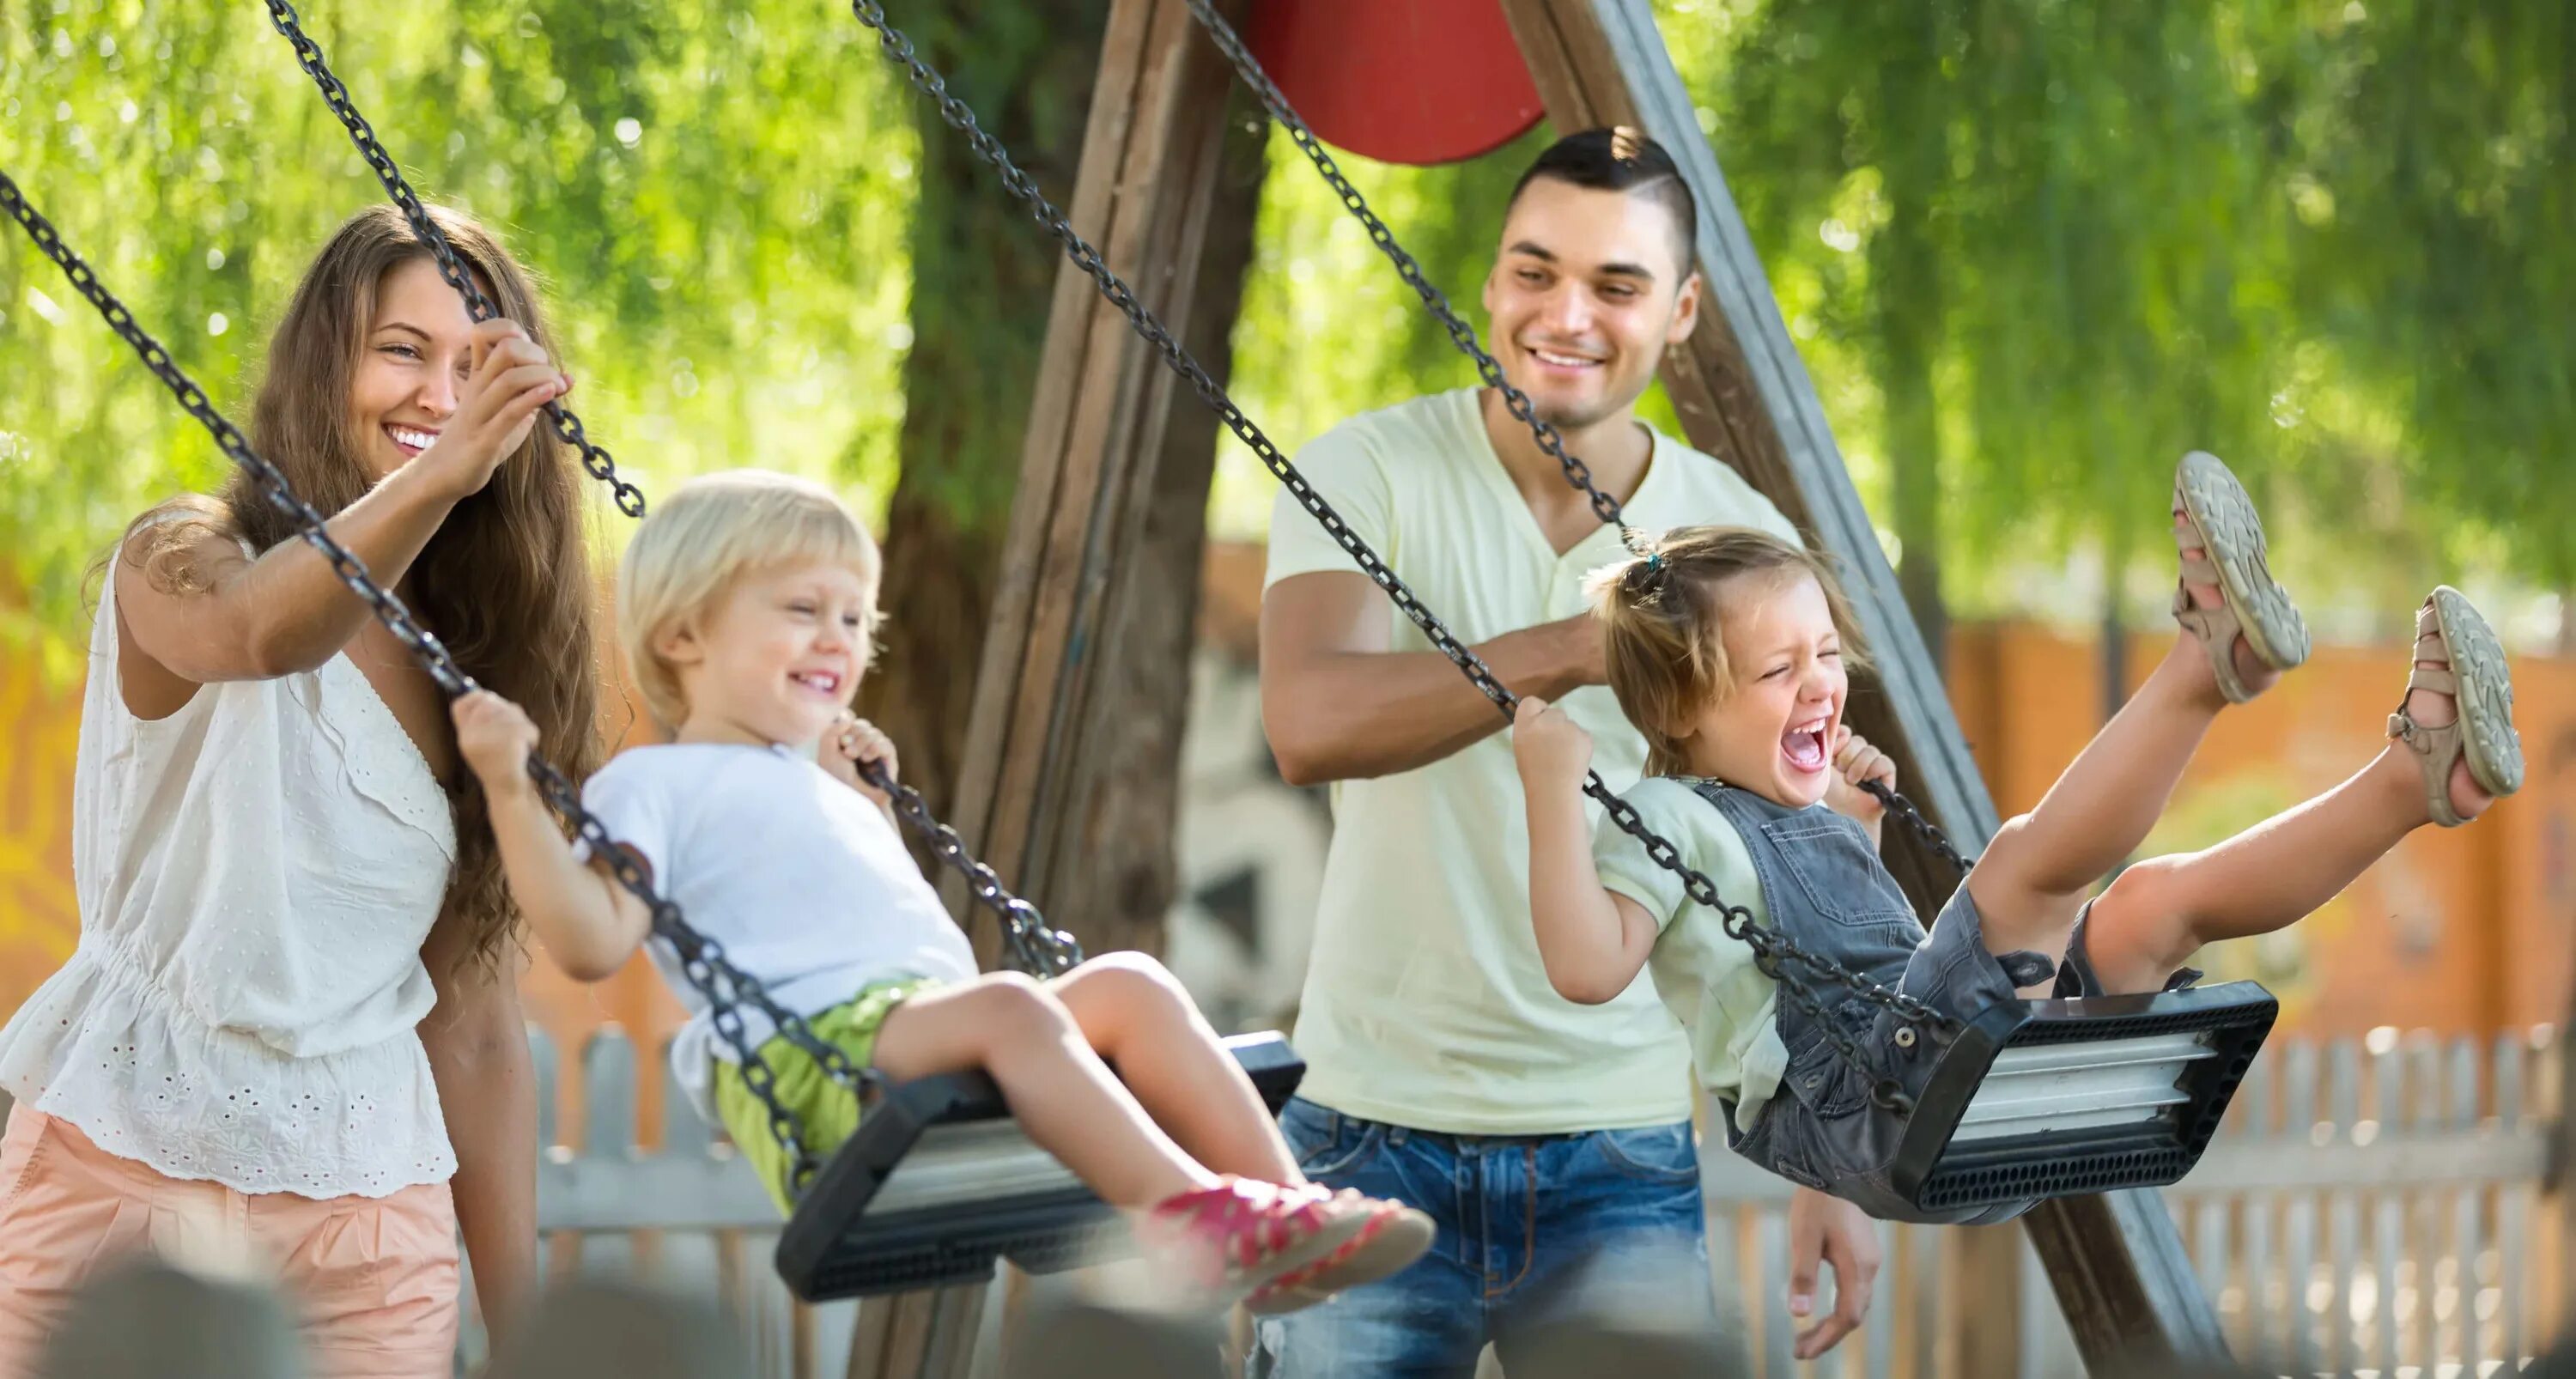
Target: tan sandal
[
  {"x": 2252, "y": 603},
  {"x": 2449, "y": 628}
]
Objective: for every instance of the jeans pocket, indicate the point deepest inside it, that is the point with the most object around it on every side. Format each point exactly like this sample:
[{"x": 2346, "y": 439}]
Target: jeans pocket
[
  {"x": 1326, "y": 1143},
  {"x": 1664, "y": 1154}
]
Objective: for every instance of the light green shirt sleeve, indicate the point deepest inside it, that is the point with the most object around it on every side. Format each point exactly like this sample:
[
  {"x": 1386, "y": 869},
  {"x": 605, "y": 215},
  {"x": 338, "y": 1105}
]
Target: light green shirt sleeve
[
  {"x": 1706, "y": 842},
  {"x": 1705, "y": 978},
  {"x": 1345, "y": 470}
]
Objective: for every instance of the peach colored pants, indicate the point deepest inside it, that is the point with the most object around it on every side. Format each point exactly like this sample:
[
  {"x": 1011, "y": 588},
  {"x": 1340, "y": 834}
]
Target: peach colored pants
[{"x": 374, "y": 1280}]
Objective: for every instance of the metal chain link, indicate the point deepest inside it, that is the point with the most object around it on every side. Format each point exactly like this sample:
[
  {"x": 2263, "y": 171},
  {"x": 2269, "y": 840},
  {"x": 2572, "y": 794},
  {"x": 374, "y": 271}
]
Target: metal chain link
[
  {"x": 1785, "y": 957},
  {"x": 724, "y": 986},
  {"x": 1040, "y": 950},
  {"x": 1464, "y": 335},
  {"x": 1514, "y": 400},
  {"x": 1905, "y": 812},
  {"x": 1036, "y": 948},
  {"x": 630, "y": 499}
]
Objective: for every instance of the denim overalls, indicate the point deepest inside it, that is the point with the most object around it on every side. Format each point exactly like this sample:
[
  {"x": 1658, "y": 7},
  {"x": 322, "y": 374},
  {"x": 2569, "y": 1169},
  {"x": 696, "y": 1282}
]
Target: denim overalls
[{"x": 1828, "y": 892}]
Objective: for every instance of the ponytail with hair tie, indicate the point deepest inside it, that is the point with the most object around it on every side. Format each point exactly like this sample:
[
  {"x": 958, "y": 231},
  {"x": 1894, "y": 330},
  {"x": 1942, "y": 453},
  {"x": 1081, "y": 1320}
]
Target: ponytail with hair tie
[{"x": 1644, "y": 575}]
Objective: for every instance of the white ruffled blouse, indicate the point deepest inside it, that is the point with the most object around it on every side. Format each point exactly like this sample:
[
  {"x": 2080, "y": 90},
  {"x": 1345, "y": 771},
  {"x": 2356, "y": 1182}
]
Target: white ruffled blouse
[{"x": 256, "y": 875}]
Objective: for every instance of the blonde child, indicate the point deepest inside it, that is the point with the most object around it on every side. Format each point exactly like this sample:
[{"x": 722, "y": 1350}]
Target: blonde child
[
  {"x": 1730, "y": 650},
  {"x": 745, "y": 604}
]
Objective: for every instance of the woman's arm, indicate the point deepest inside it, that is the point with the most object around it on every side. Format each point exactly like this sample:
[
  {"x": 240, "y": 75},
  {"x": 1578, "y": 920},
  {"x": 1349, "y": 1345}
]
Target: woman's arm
[
  {"x": 286, "y": 610},
  {"x": 587, "y": 923},
  {"x": 1592, "y": 941},
  {"x": 478, "y": 1053}
]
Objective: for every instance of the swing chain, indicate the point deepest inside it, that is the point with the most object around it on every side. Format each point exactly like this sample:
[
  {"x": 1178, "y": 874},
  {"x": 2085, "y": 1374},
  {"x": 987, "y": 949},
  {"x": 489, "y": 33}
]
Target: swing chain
[
  {"x": 1787, "y": 960},
  {"x": 1460, "y": 331},
  {"x": 703, "y": 958},
  {"x": 1035, "y": 948},
  {"x": 1515, "y": 401},
  {"x": 308, "y": 54},
  {"x": 1920, "y": 826}
]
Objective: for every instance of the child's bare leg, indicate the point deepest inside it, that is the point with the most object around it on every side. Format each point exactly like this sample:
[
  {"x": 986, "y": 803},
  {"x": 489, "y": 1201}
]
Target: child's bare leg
[
  {"x": 1136, "y": 1014},
  {"x": 2161, "y": 911},
  {"x": 2034, "y": 875},
  {"x": 1066, "y": 1099}
]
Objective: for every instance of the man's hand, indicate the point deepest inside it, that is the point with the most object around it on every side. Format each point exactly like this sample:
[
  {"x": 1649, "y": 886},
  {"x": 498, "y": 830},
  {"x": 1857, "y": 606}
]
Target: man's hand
[
  {"x": 1580, "y": 650},
  {"x": 1842, "y": 1235}
]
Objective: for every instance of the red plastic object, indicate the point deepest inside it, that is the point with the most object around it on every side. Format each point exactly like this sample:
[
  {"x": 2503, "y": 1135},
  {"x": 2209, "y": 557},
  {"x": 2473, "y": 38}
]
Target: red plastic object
[{"x": 1400, "y": 81}]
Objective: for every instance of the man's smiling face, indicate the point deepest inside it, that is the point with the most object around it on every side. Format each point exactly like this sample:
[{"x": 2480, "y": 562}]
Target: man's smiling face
[{"x": 1591, "y": 286}]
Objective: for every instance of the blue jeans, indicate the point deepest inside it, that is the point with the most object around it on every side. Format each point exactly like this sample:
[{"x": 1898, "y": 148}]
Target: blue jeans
[{"x": 1535, "y": 1231}]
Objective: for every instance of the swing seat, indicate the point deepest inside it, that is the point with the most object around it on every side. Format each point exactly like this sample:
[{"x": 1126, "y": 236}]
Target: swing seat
[
  {"x": 939, "y": 1182},
  {"x": 2065, "y": 1097}
]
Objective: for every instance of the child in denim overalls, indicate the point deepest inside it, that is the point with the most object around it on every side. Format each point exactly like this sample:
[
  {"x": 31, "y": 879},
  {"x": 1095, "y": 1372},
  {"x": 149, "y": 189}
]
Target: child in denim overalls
[{"x": 1729, "y": 649}]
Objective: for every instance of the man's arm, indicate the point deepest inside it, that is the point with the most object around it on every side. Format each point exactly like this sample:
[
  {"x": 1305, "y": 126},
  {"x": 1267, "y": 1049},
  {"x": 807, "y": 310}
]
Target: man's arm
[{"x": 1338, "y": 706}]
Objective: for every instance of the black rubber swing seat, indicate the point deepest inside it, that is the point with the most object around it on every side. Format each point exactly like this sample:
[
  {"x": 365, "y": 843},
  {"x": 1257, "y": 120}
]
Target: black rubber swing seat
[
  {"x": 2058, "y": 1098},
  {"x": 939, "y": 1182}
]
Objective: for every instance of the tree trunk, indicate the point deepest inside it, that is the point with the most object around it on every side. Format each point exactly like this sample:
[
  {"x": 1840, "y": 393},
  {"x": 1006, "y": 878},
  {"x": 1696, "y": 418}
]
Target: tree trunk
[
  {"x": 982, "y": 276},
  {"x": 1114, "y": 871}
]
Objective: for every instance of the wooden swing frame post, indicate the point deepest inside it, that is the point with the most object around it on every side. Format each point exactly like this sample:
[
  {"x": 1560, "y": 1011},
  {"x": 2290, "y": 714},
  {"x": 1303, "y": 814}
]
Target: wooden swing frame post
[{"x": 1100, "y": 564}]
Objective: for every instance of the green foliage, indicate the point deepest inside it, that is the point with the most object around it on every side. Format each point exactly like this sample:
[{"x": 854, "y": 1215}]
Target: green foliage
[
  {"x": 2331, "y": 242},
  {"x": 718, "y": 195},
  {"x": 2040, "y": 247}
]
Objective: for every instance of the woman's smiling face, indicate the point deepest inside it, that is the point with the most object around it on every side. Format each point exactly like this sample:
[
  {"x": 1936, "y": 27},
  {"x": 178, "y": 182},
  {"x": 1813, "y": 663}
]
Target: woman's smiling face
[{"x": 411, "y": 366}]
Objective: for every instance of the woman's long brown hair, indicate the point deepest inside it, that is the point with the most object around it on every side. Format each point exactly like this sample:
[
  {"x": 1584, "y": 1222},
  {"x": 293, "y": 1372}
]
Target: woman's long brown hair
[{"x": 505, "y": 583}]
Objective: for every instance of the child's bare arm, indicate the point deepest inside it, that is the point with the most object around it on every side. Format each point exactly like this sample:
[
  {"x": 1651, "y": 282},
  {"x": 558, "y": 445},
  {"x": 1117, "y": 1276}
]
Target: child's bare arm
[
  {"x": 588, "y": 923},
  {"x": 1856, "y": 761},
  {"x": 1591, "y": 940}
]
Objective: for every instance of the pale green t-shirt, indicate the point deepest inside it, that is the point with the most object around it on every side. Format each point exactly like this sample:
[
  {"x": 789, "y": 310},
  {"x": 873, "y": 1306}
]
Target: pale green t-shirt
[
  {"x": 1726, "y": 1004},
  {"x": 1425, "y": 1003}
]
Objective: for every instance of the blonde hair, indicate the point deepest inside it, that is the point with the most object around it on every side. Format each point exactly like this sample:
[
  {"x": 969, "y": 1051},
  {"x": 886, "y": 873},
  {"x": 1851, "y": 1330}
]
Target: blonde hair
[
  {"x": 711, "y": 532},
  {"x": 1663, "y": 624}
]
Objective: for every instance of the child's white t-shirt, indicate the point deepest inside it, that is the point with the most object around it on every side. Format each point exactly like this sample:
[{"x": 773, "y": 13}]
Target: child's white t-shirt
[{"x": 802, "y": 879}]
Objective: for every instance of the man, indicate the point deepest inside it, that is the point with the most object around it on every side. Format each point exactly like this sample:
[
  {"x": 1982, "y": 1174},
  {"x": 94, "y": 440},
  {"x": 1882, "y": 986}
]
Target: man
[{"x": 1548, "y": 1140}]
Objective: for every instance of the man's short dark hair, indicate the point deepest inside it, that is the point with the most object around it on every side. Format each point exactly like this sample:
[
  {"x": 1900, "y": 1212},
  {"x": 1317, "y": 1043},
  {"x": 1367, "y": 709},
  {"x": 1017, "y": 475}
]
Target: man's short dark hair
[{"x": 1620, "y": 159}]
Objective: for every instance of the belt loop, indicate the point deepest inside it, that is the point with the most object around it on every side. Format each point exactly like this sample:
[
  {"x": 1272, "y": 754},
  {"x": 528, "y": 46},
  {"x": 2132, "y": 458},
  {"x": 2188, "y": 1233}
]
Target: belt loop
[{"x": 1397, "y": 1134}]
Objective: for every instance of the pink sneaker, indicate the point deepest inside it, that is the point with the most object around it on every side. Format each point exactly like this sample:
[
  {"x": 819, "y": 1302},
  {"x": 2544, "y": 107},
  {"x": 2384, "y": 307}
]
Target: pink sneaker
[{"x": 1279, "y": 1248}]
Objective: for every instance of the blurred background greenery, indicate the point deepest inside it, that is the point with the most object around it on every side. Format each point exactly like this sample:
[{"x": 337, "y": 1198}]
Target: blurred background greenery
[{"x": 2030, "y": 249}]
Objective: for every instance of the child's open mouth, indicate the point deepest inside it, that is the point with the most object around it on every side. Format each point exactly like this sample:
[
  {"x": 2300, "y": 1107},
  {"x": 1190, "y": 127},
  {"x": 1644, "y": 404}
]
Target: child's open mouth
[{"x": 1804, "y": 746}]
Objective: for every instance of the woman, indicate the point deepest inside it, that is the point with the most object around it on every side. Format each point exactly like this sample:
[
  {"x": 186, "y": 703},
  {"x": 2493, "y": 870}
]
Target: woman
[{"x": 290, "y": 1033}]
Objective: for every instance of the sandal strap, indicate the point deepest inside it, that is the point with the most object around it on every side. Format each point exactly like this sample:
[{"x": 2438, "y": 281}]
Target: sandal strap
[
  {"x": 2437, "y": 750},
  {"x": 2216, "y": 629},
  {"x": 2439, "y": 681}
]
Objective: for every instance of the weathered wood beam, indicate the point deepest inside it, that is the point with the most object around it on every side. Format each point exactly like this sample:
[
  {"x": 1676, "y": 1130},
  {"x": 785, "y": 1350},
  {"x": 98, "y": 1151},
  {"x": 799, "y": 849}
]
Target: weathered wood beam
[
  {"x": 1067, "y": 786},
  {"x": 1117, "y": 461},
  {"x": 1744, "y": 395}
]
